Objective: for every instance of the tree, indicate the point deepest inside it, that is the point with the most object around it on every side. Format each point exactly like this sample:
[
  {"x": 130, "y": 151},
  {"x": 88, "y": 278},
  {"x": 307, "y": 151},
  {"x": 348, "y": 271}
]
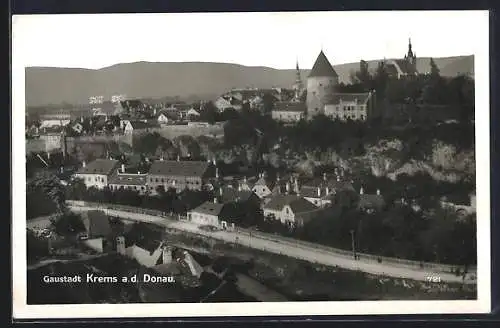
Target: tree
[
  {"x": 363, "y": 76},
  {"x": 435, "y": 73},
  {"x": 268, "y": 101},
  {"x": 68, "y": 224},
  {"x": 51, "y": 186},
  {"x": 380, "y": 80},
  {"x": 147, "y": 144},
  {"x": 209, "y": 113}
]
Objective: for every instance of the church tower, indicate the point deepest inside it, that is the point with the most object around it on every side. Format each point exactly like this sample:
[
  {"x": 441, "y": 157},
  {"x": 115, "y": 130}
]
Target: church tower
[
  {"x": 297, "y": 87},
  {"x": 411, "y": 57},
  {"x": 321, "y": 84}
]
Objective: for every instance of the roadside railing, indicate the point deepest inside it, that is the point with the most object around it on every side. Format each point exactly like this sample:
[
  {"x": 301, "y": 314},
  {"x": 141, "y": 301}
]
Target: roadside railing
[{"x": 397, "y": 262}]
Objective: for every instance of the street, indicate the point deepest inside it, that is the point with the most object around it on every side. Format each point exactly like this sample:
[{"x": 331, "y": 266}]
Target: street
[{"x": 298, "y": 251}]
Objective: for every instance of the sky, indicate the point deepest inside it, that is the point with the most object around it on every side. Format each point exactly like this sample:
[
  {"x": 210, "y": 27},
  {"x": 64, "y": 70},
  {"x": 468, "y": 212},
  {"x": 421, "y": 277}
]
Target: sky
[{"x": 275, "y": 40}]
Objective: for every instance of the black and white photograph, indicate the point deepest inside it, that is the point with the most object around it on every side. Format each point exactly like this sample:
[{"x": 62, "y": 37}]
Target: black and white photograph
[{"x": 249, "y": 164}]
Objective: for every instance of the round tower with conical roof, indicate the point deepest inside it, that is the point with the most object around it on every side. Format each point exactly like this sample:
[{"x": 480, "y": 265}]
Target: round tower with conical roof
[{"x": 321, "y": 85}]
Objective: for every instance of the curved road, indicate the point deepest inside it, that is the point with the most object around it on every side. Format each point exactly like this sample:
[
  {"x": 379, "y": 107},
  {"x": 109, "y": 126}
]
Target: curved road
[{"x": 287, "y": 248}]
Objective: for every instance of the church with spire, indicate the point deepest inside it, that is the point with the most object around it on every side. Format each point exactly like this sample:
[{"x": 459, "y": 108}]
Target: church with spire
[
  {"x": 298, "y": 87},
  {"x": 406, "y": 67}
]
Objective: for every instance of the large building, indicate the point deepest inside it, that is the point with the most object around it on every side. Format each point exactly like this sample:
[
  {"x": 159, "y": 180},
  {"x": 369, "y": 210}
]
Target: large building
[
  {"x": 405, "y": 67},
  {"x": 97, "y": 173},
  {"x": 178, "y": 174},
  {"x": 323, "y": 97},
  {"x": 288, "y": 111}
]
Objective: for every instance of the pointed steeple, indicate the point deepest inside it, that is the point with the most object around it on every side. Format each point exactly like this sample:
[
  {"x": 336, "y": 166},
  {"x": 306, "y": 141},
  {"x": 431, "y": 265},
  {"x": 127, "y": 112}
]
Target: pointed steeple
[
  {"x": 298, "y": 82},
  {"x": 410, "y": 52},
  {"x": 322, "y": 67}
]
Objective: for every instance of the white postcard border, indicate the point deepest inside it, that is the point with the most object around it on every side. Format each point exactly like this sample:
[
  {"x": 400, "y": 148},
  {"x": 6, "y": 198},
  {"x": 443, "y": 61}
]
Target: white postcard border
[{"x": 482, "y": 305}]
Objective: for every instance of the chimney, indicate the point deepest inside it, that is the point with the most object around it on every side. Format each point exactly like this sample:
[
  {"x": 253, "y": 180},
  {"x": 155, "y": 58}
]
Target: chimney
[
  {"x": 324, "y": 176},
  {"x": 287, "y": 187},
  {"x": 296, "y": 186},
  {"x": 361, "y": 191},
  {"x": 220, "y": 191},
  {"x": 215, "y": 200},
  {"x": 245, "y": 179},
  {"x": 327, "y": 190},
  {"x": 123, "y": 168},
  {"x": 239, "y": 187},
  {"x": 166, "y": 255},
  {"x": 84, "y": 164},
  {"x": 217, "y": 172},
  {"x": 62, "y": 169},
  {"x": 48, "y": 155},
  {"x": 138, "y": 172},
  {"x": 214, "y": 162},
  {"x": 161, "y": 158},
  {"x": 319, "y": 192},
  {"x": 178, "y": 158},
  {"x": 338, "y": 178},
  {"x": 378, "y": 192}
]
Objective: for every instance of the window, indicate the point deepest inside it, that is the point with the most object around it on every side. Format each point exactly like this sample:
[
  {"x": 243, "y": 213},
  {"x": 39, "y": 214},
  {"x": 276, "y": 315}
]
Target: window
[
  {"x": 156, "y": 180},
  {"x": 362, "y": 117}
]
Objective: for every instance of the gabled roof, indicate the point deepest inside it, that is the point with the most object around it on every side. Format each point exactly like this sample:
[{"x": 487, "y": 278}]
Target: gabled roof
[
  {"x": 264, "y": 182},
  {"x": 209, "y": 208},
  {"x": 97, "y": 224},
  {"x": 371, "y": 201},
  {"x": 401, "y": 66},
  {"x": 234, "y": 195},
  {"x": 149, "y": 245},
  {"x": 139, "y": 125},
  {"x": 181, "y": 107},
  {"x": 360, "y": 98},
  {"x": 128, "y": 179},
  {"x": 179, "y": 168},
  {"x": 99, "y": 166},
  {"x": 289, "y": 106},
  {"x": 296, "y": 203},
  {"x": 322, "y": 67}
]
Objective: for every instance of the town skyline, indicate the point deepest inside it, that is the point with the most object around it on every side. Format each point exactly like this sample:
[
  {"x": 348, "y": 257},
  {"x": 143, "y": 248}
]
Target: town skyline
[{"x": 80, "y": 45}]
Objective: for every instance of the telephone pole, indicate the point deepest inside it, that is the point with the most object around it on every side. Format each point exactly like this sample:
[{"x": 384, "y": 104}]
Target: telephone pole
[{"x": 353, "y": 245}]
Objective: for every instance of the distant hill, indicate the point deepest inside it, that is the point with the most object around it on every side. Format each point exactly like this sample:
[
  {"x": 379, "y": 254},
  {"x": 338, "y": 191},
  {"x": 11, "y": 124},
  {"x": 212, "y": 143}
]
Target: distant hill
[{"x": 191, "y": 80}]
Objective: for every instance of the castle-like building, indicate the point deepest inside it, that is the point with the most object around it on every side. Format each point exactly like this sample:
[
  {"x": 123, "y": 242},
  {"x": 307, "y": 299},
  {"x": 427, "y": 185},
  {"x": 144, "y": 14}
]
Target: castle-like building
[
  {"x": 323, "y": 96},
  {"x": 400, "y": 68}
]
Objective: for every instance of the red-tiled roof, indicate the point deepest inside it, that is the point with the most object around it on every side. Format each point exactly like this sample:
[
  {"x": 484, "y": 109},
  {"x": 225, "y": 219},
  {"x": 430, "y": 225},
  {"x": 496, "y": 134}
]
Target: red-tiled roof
[{"x": 322, "y": 67}]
